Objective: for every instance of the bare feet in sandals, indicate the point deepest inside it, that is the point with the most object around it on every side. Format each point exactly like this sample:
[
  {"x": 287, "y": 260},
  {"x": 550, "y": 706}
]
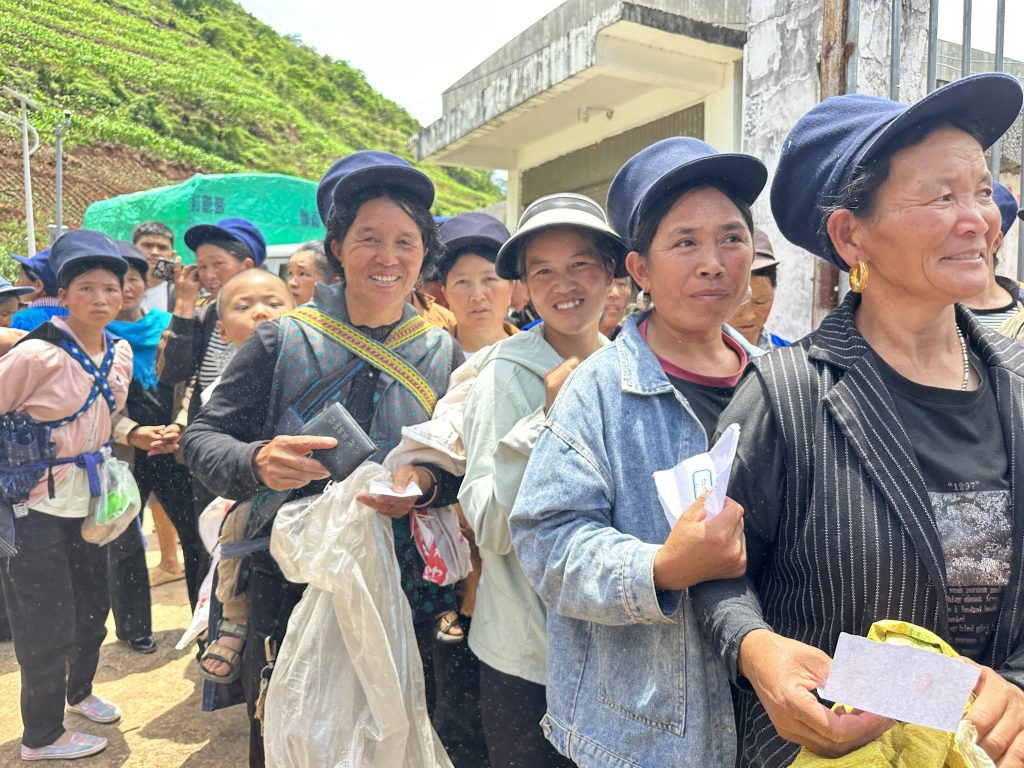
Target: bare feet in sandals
[
  {"x": 450, "y": 628},
  {"x": 213, "y": 665},
  {"x": 222, "y": 660}
]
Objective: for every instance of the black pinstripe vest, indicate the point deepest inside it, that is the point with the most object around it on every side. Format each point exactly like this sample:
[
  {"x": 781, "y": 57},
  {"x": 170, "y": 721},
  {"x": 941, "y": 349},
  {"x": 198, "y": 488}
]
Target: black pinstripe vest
[{"x": 857, "y": 540}]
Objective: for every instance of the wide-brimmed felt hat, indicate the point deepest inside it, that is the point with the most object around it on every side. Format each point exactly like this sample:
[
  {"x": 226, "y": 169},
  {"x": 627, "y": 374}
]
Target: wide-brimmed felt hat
[
  {"x": 81, "y": 244},
  {"x": 1007, "y": 204},
  {"x": 39, "y": 265},
  {"x": 844, "y": 133},
  {"x": 232, "y": 228},
  {"x": 564, "y": 209},
  {"x": 370, "y": 168},
  {"x": 467, "y": 231},
  {"x": 134, "y": 257},
  {"x": 669, "y": 164}
]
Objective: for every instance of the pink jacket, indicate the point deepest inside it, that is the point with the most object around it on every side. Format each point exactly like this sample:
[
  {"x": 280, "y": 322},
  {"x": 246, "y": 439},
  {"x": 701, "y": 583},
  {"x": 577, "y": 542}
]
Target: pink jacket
[{"x": 46, "y": 382}]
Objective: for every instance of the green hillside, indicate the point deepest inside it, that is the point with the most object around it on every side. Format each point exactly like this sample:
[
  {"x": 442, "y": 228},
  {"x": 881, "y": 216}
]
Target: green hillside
[{"x": 203, "y": 84}]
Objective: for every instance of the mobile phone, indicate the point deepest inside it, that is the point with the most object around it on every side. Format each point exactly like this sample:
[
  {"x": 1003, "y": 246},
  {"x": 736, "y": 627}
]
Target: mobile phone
[{"x": 164, "y": 270}]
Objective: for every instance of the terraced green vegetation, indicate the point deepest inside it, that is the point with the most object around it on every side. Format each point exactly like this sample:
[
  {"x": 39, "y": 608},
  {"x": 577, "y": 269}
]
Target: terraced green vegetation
[{"x": 204, "y": 83}]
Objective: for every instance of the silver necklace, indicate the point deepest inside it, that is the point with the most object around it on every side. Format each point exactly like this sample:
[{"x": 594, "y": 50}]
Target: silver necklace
[{"x": 967, "y": 362}]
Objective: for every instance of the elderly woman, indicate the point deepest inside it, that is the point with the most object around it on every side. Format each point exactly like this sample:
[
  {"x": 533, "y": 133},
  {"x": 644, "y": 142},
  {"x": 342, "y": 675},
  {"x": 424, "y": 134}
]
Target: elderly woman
[
  {"x": 359, "y": 343},
  {"x": 630, "y": 681},
  {"x": 875, "y": 463},
  {"x": 1002, "y": 299}
]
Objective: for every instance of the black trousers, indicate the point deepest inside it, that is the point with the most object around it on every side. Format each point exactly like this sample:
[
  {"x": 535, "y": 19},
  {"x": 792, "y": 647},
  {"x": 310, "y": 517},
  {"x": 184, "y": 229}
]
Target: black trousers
[
  {"x": 511, "y": 709},
  {"x": 456, "y": 715},
  {"x": 173, "y": 485},
  {"x": 57, "y": 600},
  {"x": 128, "y": 579}
]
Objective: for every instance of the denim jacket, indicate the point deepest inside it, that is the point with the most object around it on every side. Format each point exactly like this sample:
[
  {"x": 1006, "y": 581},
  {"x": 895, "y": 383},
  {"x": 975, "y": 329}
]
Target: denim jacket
[{"x": 631, "y": 682}]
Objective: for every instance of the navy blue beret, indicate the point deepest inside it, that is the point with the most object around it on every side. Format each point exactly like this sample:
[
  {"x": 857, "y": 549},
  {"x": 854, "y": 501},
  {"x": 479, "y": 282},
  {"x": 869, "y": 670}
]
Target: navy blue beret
[
  {"x": 468, "y": 230},
  {"x": 79, "y": 244},
  {"x": 39, "y": 265},
  {"x": 370, "y": 168},
  {"x": 667, "y": 165},
  {"x": 843, "y": 133},
  {"x": 1007, "y": 204},
  {"x": 233, "y": 228}
]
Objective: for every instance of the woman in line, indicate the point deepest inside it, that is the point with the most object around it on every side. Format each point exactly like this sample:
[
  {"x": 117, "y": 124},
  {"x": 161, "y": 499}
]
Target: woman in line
[
  {"x": 474, "y": 292},
  {"x": 192, "y": 352},
  {"x": 308, "y": 266},
  {"x": 752, "y": 315},
  {"x": 620, "y": 296},
  {"x": 43, "y": 304},
  {"x": 70, "y": 374},
  {"x": 144, "y": 430},
  {"x": 882, "y": 449},
  {"x": 630, "y": 680},
  {"x": 340, "y": 347},
  {"x": 566, "y": 255}
]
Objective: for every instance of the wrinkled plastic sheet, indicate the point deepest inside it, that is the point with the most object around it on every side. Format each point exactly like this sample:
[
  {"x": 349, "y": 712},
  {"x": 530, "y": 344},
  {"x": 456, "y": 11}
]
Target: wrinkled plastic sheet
[{"x": 347, "y": 688}]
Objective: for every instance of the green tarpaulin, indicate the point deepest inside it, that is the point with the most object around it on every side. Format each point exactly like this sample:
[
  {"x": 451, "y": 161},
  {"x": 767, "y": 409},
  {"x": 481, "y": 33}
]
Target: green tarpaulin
[{"x": 283, "y": 207}]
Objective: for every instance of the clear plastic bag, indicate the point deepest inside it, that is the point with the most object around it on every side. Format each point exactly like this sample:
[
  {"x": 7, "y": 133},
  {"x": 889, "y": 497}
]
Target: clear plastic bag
[
  {"x": 117, "y": 505},
  {"x": 347, "y": 688}
]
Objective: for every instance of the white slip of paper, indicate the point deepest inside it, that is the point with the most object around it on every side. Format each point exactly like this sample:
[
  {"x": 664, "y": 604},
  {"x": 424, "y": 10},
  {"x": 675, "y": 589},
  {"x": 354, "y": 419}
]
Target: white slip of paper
[
  {"x": 381, "y": 488},
  {"x": 900, "y": 681},
  {"x": 680, "y": 486}
]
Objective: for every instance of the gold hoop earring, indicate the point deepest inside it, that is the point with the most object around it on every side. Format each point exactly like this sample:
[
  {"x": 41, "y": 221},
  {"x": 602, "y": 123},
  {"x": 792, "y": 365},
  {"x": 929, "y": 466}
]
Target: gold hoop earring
[{"x": 859, "y": 277}]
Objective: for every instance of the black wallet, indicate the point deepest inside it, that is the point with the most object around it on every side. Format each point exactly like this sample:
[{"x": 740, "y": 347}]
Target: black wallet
[{"x": 354, "y": 445}]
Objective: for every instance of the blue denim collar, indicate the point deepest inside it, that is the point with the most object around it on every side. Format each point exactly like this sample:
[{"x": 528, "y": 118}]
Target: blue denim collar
[{"x": 642, "y": 374}]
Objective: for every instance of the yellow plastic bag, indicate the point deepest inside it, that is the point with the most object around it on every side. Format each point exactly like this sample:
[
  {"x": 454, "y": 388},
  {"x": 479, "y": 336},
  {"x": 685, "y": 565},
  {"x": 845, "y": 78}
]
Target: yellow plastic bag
[{"x": 906, "y": 745}]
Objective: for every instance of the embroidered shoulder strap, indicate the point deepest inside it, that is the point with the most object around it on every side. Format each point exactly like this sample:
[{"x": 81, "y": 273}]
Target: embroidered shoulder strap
[
  {"x": 53, "y": 335},
  {"x": 378, "y": 355}
]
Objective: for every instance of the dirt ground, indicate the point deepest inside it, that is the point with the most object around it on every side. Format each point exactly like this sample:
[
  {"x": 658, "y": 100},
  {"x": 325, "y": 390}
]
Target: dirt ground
[{"x": 163, "y": 725}]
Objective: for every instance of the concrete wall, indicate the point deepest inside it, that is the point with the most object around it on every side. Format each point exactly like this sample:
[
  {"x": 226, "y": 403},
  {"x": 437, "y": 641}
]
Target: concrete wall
[{"x": 781, "y": 84}]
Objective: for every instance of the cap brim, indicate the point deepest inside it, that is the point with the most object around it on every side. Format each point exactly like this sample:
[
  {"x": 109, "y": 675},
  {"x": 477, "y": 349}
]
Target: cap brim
[
  {"x": 116, "y": 265},
  {"x": 415, "y": 182},
  {"x": 745, "y": 175},
  {"x": 762, "y": 262},
  {"x": 561, "y": 217},
  {"x": 15, "y": 290},
  {"x": 988, "y": 103}
]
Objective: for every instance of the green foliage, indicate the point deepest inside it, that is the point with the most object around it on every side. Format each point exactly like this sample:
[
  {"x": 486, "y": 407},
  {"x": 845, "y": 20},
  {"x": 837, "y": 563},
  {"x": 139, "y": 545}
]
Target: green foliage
[{"x": 202, "y": 81}]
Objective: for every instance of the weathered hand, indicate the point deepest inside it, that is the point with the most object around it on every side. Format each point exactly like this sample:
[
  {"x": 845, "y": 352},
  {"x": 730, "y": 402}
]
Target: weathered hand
[
  {"x": 784, "y": 674},
  {"x": 998, "y": 714},
  {"x": 555, "y": 378},
  {"x": 284, "y": 462}
]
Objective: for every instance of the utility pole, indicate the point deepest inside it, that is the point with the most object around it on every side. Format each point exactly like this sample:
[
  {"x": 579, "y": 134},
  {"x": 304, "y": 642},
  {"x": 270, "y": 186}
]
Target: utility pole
[
  {"x": 832, "y": 71},
  {"x": 59, "y": 133},
  {"x": 26, "y": 153}
]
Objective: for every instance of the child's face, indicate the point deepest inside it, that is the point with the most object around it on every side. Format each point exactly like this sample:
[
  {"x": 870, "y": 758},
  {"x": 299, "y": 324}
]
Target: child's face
[
  {"x": 8, "y": 306},
  {"x": 259, "y": 297},
  {"x": 302, "y": 276}
]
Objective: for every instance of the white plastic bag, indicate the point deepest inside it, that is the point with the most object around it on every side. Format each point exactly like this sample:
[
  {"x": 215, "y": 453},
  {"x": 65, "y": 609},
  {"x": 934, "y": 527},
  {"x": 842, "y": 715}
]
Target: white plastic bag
[
  {"x": 347, "y": 688},
  {"x": 445, "y": 551},
  {"x": 209, "y": 531}
]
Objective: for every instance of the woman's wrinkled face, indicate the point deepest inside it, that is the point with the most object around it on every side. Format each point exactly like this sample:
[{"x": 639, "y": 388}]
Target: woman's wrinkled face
[
  {"x": 475, "y": 293},
  {"x": 93, "y": 298},
  {"x": 750, "y": 318},
  {"x": 698, "y": 266},
  {"x": 381, "y": 254},
  {"x": 217, "y": 266},
  {"x": 934, "y": 221},
  {"x": 134, "y": 289},
  {"x": 567, "y": 279}
]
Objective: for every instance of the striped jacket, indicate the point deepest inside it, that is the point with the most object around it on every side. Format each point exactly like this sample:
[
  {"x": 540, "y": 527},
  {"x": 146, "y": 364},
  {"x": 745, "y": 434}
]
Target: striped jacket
[{"x": 852, "y": 538}]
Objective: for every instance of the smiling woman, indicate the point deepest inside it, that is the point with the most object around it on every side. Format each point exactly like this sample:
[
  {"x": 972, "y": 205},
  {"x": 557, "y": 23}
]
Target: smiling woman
[{"x": 884, "y": 439}]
